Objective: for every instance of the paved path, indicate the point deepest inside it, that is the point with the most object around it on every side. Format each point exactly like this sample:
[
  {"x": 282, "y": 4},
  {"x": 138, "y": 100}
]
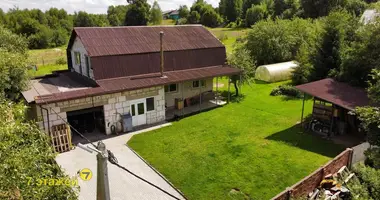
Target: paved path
[{"x": 122, "y": 185}]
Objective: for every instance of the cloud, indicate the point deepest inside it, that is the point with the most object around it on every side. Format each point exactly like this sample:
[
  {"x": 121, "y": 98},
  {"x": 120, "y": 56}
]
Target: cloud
[{"x": 91, "y": 6}]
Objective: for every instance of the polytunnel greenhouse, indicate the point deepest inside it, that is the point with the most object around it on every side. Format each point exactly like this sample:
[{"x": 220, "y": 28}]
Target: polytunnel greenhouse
[{"x": 275, "y": 72}]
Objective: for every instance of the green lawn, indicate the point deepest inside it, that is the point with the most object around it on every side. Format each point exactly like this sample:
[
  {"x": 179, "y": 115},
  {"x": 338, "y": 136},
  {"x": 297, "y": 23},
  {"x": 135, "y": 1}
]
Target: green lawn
[
  {"x": 46, "y": 69},
  {"x": 253, "y": 146}
]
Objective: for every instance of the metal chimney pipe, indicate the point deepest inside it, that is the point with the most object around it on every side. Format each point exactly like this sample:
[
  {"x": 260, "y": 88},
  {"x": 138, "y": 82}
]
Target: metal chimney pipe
[{"x": 162, "y": 54}]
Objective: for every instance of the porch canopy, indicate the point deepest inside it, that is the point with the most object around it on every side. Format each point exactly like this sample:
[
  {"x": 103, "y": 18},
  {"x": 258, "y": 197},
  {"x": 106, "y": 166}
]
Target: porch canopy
[
  {"x": 337, "y": 93},
  {"x": 108, "y": 86}
]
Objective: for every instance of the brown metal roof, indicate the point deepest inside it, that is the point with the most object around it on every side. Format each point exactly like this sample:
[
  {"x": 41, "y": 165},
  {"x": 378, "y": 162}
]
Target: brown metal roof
[
  {"x": 129, "y": 65},
  {"x": 107, "y": 86},
  {"x": 338, "y": 93},
  {"x": 104, "y": 41}
]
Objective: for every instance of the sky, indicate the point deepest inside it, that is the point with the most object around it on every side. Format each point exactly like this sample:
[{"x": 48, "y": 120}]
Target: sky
[{"x": 90, "y": 6}]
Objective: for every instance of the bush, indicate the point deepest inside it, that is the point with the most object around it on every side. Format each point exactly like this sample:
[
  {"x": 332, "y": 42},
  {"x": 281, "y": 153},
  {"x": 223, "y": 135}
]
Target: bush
[
  {"x": 373, "y": 157},
  {"x": 222, "y": 37},
  {"x": 181, "y": 21},
  {"x": 286, "y": 90},
  {"x": 369, "y": 177},
  {"x": 61, "y": 61},
  {"x": 232, "y": 25}
]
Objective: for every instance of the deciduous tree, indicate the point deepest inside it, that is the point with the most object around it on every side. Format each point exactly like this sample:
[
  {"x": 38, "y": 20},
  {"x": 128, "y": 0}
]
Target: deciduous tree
[
  {"x": 155, "y": 14},
  {"x": 137, "y": 13}
]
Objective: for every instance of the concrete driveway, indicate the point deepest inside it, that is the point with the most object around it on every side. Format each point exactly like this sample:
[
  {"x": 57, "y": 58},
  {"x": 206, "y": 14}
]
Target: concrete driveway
[{"x": 122, "y": 184}]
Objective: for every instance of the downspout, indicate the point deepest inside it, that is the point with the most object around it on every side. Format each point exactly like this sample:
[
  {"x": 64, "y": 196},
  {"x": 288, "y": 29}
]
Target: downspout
[{"x": 47, "y": 116}]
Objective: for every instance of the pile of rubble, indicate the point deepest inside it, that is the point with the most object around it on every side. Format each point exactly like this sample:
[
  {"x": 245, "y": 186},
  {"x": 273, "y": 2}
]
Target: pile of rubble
[{"x": 334, "y": 186}]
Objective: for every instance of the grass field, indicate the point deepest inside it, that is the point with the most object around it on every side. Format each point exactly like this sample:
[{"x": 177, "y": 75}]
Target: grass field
[
  {"x": 42, "y": 57},
  {"x": 46, "y": 69},
  {"x": 228, "y": 36},
  {"x": 252, "y": 145}
]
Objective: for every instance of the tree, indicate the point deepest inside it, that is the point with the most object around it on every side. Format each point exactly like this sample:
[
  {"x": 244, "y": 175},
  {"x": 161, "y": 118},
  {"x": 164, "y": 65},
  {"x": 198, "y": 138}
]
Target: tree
[
  {"x": 241, "y": 59},
  {"x": 280, "y": 40},
  {"x": 183, "y": 11},
  {"x": 2, "y": 17},
  {"x": 42, "y": 39},
  {"x": 26, "y": 157},
  {"x": 320, "y": 8},
  {"x": 233, "y": 9},
  {"x": 210, "y": 18},
  {"x": 83, "y": 19},
  {"x": 137, "y": 13},
  {"x": 255, "y": 14},
  {"x": 339, "y": 28},
  {"x": 116, "y": 15},
  {"x": 14, "y": 76},
  {"x": 155, "y": 14},
  {"x": 247, "y": 4},
  {"x": 194, "y": 18}
]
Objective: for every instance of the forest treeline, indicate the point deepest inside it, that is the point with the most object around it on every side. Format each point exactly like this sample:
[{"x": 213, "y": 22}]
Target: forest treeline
[{"x": 51, "y": 28}]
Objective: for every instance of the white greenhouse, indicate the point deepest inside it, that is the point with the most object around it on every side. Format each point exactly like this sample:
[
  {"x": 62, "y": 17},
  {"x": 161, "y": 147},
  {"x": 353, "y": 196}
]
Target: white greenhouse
[{"x": 275, "y": 72}]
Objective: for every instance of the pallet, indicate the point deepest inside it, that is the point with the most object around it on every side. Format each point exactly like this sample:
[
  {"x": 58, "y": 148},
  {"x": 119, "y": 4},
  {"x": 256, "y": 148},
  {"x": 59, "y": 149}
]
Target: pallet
[{"x": 61, "y": 138}]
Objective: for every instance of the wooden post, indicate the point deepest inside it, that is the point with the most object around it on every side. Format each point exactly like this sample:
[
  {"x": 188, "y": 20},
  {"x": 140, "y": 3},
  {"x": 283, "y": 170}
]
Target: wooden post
[
  {"x": 200, "y": 96},
  {"x": 161, "y": 54},
  {"x": 102, "y": 187},
  {"x": 217, "y": 91},
  {"x": 229, "y": 93},
  {"x": 332, "y": 121},
  {"x": 183, "y": 100},
  {"x": 303, "y": 108}
]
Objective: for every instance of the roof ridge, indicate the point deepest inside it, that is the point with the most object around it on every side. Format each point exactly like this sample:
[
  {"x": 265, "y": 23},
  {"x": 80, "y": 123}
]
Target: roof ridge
[{"x": 116, "y": 27}]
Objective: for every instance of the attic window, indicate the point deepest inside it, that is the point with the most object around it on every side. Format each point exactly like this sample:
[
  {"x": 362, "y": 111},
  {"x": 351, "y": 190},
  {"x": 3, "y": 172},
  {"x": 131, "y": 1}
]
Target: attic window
[{"x": 77, "y": 58}]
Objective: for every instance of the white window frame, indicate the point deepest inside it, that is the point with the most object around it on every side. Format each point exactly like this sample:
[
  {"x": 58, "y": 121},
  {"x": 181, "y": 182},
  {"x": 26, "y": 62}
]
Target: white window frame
[
  {"x": 176, "y": 88},
  {"x": 76, "y": 57}
]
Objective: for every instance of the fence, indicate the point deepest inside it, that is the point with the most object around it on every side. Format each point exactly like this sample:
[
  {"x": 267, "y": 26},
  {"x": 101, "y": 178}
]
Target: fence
[
  {"x": 309, "y": 183},
  {"x": 48, "y": 57}
]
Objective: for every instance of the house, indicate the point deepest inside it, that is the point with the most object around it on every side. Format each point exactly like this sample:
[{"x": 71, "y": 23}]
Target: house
[
  {"x": 120, "y": 73},
  {"x": 172, "y": 14}
]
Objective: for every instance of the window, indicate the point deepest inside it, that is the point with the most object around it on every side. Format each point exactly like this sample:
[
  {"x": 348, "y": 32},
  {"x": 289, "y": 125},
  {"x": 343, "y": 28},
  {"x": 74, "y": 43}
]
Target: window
[
  {"x": 201, "y": 83},
  {"x": 87, "y": 65},
  {"x": 133, "y": 110},
  {"x": 140, "y": 109},
  {"x": 150, "y": 104},
  {"x": 77, "y": 58},
  {"x": 171, "y": 88}
]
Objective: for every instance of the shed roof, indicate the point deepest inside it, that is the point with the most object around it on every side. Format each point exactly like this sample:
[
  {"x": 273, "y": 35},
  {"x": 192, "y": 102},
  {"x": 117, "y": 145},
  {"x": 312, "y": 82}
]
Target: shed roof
[
  {"x": 108, "y": 86},
  {"x": 105, "y": 41},
  {"x": 338, "y": 93}
]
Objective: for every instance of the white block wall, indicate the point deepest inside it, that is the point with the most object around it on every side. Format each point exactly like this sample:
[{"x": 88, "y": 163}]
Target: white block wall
[{"x": 78, "y": 47}]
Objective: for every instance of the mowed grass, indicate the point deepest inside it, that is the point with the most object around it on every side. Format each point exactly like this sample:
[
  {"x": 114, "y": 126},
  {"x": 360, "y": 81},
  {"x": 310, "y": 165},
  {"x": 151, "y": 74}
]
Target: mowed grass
[{"x": 253, "y": 146}]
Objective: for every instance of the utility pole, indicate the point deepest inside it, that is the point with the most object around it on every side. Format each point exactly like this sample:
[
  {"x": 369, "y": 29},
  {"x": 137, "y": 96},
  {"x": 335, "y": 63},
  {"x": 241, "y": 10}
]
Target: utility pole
[
  {"x": 102, "y": 187},
  {"x": 102, "y": 184}
]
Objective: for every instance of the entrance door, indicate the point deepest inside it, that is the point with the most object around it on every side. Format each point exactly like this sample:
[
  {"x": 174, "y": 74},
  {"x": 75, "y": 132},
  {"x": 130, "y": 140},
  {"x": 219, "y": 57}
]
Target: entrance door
[{"x": 138, "y": 110}]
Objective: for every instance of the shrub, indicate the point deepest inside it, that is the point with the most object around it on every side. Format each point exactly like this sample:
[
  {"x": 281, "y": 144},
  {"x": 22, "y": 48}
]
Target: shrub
[
  {"x": 373, "y": 157},
  {"x": 181, "y": 21},
  {"x": 286, "y": 90},
  {"x": 61, "y": 61},
  {"x": 222, "y": 37},
  {"x": 369, "y": 177},
  {"x": 231, "y": 25}
]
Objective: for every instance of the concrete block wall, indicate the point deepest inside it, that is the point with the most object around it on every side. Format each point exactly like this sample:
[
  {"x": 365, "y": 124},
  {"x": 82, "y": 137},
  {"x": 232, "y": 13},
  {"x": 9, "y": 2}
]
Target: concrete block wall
[
  {"x": 113, "y": 105},
  {"x": 119, "y": 103}
]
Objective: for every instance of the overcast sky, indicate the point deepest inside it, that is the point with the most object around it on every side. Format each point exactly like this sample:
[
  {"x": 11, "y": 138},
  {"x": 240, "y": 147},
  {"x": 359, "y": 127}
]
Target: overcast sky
[{"x": 91, "y": 6}]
